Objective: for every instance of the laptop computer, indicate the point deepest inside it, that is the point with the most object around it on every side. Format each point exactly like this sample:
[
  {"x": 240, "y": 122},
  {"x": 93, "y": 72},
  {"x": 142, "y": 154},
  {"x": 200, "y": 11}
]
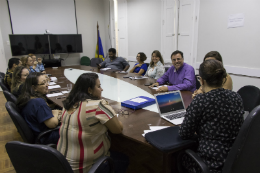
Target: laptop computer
[{"x": 171, "y": 106}]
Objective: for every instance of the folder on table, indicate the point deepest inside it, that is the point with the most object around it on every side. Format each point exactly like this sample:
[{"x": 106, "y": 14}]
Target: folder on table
[{"x": 138, "y": 102}]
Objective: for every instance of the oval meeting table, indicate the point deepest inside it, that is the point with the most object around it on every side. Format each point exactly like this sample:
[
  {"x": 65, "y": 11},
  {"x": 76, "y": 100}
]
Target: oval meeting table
[{"x": 116, "y": 88}]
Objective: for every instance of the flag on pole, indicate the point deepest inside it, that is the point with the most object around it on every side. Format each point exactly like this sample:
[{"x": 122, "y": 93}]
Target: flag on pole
[{"x": 99, "y": 48}]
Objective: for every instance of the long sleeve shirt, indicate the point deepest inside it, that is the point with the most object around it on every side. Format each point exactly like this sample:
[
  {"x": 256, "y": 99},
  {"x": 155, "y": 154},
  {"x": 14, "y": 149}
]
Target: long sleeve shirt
[{"x": 181, "y": 79}]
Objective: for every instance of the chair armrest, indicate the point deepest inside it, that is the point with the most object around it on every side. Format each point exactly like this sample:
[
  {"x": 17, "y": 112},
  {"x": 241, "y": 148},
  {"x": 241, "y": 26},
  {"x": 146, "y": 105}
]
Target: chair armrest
[
  {"x": 95, "y": 167},
  {"x": 37, "y": 141},
  {"x": 198, "y": 160}
]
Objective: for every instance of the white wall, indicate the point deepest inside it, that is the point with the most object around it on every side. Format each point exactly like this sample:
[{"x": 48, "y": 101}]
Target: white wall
[
  {"x": 144, "y": 27},
  {"x": 3, "y": 64},
  {"x": 88, "y": 13},
  {"x": 238, "y": 46}
]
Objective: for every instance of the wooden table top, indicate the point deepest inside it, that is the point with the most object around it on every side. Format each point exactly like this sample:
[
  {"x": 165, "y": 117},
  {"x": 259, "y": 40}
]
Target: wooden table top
[{"x": 135, "y": 123}]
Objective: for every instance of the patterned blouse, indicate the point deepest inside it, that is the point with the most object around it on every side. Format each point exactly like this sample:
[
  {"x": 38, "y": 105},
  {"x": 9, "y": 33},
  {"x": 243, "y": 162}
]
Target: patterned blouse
[
  {"x": 83, "y": 135},
  {"x": 216, "y": 117},
  {"x": 155, "y": 72}
]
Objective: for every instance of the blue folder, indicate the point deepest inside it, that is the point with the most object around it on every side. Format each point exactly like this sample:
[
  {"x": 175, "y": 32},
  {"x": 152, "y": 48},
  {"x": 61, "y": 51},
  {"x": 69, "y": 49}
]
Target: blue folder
[{"x": 134, "y": 104}]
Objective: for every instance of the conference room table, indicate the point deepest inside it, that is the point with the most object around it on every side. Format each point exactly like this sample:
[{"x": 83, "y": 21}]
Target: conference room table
[{"x": 117, "y": 88}]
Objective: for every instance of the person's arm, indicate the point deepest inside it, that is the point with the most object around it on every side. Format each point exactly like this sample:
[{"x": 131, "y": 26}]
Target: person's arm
[
  {"x": 188, "y": 82},
  {"x": 191, "y": 119},
  {"x": 165, "y": 77},
  {"x": 125, "y": 64},
  {"x": 133, "y": 69},
  {"x": 102, "y": 65},
  {"x": 228, "y": 84},
  {"x": 114, "y": 125},
  {"x": 53, "y": 122}
]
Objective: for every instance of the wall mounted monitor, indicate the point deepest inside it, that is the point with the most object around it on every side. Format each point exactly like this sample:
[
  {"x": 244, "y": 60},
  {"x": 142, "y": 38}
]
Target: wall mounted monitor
[
  {"x": 66, "y": 43},
  {"x": 25, "y": 44}
]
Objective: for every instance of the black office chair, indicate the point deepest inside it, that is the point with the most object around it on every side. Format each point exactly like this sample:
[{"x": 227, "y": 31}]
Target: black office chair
[
  {"x": 3, "y": 86},
  {"x": 147, "y": 64},
  {"x": 166, "y": 69},
  {"x": 22, "y": 126},
  {"x": 95, "y": 61},
  {"x": 10, "y": 97},
  {"x": 197, "y": 82},
  {"x": 244, "y": 154},
  {"x": 250, "y": 96},
  {"x": 2, "y": 75},
  {"x": 30, "y": 158}
]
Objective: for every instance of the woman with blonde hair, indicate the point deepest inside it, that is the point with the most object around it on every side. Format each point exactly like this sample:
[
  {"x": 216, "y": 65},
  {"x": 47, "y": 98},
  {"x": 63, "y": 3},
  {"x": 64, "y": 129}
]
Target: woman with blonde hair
[
  {"x": 19, "y": 76},
  {"x": 156, "y": 68},
  {"x": 27, "y": 62}
]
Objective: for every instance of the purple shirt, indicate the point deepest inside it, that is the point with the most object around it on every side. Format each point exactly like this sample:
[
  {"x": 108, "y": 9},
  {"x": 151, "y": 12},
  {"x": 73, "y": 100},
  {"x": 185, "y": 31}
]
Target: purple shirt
[{"x": 182, "y": 79}]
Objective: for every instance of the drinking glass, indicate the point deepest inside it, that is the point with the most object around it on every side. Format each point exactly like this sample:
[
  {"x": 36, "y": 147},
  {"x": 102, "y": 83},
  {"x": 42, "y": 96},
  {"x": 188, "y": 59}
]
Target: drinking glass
[{"x": 69, "y": 87}]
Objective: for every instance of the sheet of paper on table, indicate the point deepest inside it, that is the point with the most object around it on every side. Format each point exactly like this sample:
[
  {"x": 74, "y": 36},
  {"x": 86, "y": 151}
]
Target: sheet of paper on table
[
  {"x": 52, "y": 83},
  {"x": 154, "y": 128},
  {"x": 65, "y": 92},
  {"x": 53, "y": 86},
  {"x": 155, "y": 88},
  {"x": 138, "y": 77},
  {"x": 138, "y": 100},
  {"x": 105, "y": 69},
  {"x": 54, "y": 94}
]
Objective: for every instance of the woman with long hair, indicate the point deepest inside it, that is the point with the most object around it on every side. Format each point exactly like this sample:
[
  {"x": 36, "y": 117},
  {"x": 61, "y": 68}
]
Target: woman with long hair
[
  {"x": 19, "y": 76},
  {"x": 156, "y": 68},
  {"x": 35, "y": 109},
  {"x": 27, "y": 62},
  {"x": 215, "y": 117},
  {"x": 86, "y": 118}
]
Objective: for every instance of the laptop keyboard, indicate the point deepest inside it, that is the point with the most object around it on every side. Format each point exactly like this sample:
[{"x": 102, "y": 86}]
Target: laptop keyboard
[{"x": 175, "y": 116}]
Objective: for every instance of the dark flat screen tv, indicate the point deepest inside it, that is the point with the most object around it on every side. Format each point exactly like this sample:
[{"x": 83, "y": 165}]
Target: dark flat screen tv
[
  {"x": 25, "y": 44},
  {"x": 66, "y": 43}
]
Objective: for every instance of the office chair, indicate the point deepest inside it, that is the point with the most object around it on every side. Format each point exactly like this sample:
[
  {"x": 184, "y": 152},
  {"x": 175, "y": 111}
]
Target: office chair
[
  {"x": 147, "y": 64},
  {"x": 85, "y": 61},
  {"x": 95, "y": 61},
  {"x": 3, "y": 86},
  {"x": 21, "y": 125},
  {"x": 244, "y": 154},
  {"x": 166, "y": 69},
  {"x": 10, "y": 97},
  {"x": 2, "y": 75},
  {"x": 250, "y": 96},
  {"x": 197, "y": 82},
  {"x": 43, "y": 159}
]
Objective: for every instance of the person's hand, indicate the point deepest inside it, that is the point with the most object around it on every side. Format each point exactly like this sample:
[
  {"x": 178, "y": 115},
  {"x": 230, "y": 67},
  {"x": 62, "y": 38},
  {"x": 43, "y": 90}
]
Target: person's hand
[
  {"x": 196, "y": 92},
  {"x": 39, "y": 60},
  {"x": 162, "y": 89},
  {"x": 35, "y": 63},
  {"x": 153, "y": 85},
  {"x": 138, "y": 65}
]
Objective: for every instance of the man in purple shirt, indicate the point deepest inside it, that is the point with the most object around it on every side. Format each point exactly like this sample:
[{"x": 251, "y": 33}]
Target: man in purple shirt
[{"x": 181, "y": 75}]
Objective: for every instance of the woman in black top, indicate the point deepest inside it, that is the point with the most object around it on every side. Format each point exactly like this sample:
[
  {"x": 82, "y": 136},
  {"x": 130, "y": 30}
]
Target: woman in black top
[{"x": 215, "y": 117}]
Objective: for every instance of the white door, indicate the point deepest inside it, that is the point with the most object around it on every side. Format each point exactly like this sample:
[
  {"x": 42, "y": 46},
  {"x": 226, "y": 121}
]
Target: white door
[
  {"x": 112, "y": 25},
  {"x": 122, "y": 29},
  {"x": 185, "y": 29},
  {"x": 3, "y": 64},
  {"x": 168, "y": 29}
]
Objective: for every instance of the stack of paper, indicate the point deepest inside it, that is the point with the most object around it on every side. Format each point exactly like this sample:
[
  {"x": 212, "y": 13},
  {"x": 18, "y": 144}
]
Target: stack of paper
[
  {"x": 105, "y": 69},
  {"x": 52, "y": 83},
  {"x": 54, "y": 94},
  {"x": 154, "y": 128},
  {"x": 155, "y": 88},
  {"x": 64, "y": 92},
  {"x": 53, "y": 86},
  {"x": 54, "y": 79},
  {"x": 122, "y": 72}
]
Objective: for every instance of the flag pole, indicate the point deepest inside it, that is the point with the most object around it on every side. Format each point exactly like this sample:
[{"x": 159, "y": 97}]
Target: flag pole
[{"x": 97, "y": 39}]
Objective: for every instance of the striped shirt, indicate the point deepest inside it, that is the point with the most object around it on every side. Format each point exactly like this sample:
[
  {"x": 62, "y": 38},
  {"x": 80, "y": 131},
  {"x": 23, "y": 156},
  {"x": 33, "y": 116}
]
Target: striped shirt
[{"x": 83, "y": 135}]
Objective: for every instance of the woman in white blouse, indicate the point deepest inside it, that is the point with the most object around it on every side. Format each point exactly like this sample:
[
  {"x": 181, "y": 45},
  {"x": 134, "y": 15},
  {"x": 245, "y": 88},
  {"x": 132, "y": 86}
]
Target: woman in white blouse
[{"x": 156, "y": 68}]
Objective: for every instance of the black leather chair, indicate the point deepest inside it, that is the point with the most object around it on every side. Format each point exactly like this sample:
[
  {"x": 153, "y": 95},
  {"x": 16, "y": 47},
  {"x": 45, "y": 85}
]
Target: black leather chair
[
  {"x": 10, "y": 97},
  {"x": 250, "y": 96},
  {"x": 166, "y": 69},
  {"x": 197, "y": 82},
  {"x": 22, "y": 126},
  {"x": 2, "y": 75},
  {"x": 3, "y": 86},
  {"x": 31, "y": 158},
  {"x": 244, "y": 154},
  {"x": 95, "y": 61}
]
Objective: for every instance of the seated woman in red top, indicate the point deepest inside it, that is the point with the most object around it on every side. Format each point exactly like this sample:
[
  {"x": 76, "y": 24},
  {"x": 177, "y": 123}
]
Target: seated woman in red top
[{"x": 140, "y": 67}]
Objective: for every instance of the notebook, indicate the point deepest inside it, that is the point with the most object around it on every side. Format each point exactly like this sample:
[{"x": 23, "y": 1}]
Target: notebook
[{"x": 171, "y": 106}]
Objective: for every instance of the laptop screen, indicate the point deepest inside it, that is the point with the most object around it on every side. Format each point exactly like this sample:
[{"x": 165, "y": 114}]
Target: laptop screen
[{"x": 169, "y": 102}]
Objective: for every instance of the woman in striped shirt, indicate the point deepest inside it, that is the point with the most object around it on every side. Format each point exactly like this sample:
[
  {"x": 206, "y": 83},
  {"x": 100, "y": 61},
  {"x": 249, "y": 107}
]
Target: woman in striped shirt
[{"x": 85, "y": 121}]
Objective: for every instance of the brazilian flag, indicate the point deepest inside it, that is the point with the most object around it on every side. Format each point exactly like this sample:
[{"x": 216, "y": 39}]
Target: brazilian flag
[{"x": 99, "y": 48}]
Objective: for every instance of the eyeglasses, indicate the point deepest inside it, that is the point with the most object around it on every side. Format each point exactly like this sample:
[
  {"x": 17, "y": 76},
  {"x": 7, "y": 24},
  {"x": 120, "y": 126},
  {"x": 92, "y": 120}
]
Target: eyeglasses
[
  {"x": 177, "y": 59},
  {"x": 124, "y": 112},
  {"x": 198, "y": 78},
  {"x": 45, "y": 83}
]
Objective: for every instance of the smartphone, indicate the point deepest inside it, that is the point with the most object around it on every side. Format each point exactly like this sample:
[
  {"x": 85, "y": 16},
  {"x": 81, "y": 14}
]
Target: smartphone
[{"x": 126, "y": 76}]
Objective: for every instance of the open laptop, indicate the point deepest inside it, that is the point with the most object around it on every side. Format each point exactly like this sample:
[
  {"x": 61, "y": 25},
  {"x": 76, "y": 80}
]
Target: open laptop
[{"x": 171, "y": 106}]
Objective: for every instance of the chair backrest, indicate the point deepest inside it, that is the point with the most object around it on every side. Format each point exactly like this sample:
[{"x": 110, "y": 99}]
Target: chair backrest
[
  {"x": 2, "y": 75},
  {"x": 147, "y": 64},
  {"x": 30, "y": 158},
  {"x": 197, "y": 82},
  {"x": 85, "y": 61},
  {"x": 166, "y": 69},
  {"x": 250, "y": 96},
  {"x": 244, "y": 154},
  {"x": 2, "y": 84},
  {"x": 10, "y": 97},
  {"x": 95, "y": 61},
  {"x": 20, "y": 123}
]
